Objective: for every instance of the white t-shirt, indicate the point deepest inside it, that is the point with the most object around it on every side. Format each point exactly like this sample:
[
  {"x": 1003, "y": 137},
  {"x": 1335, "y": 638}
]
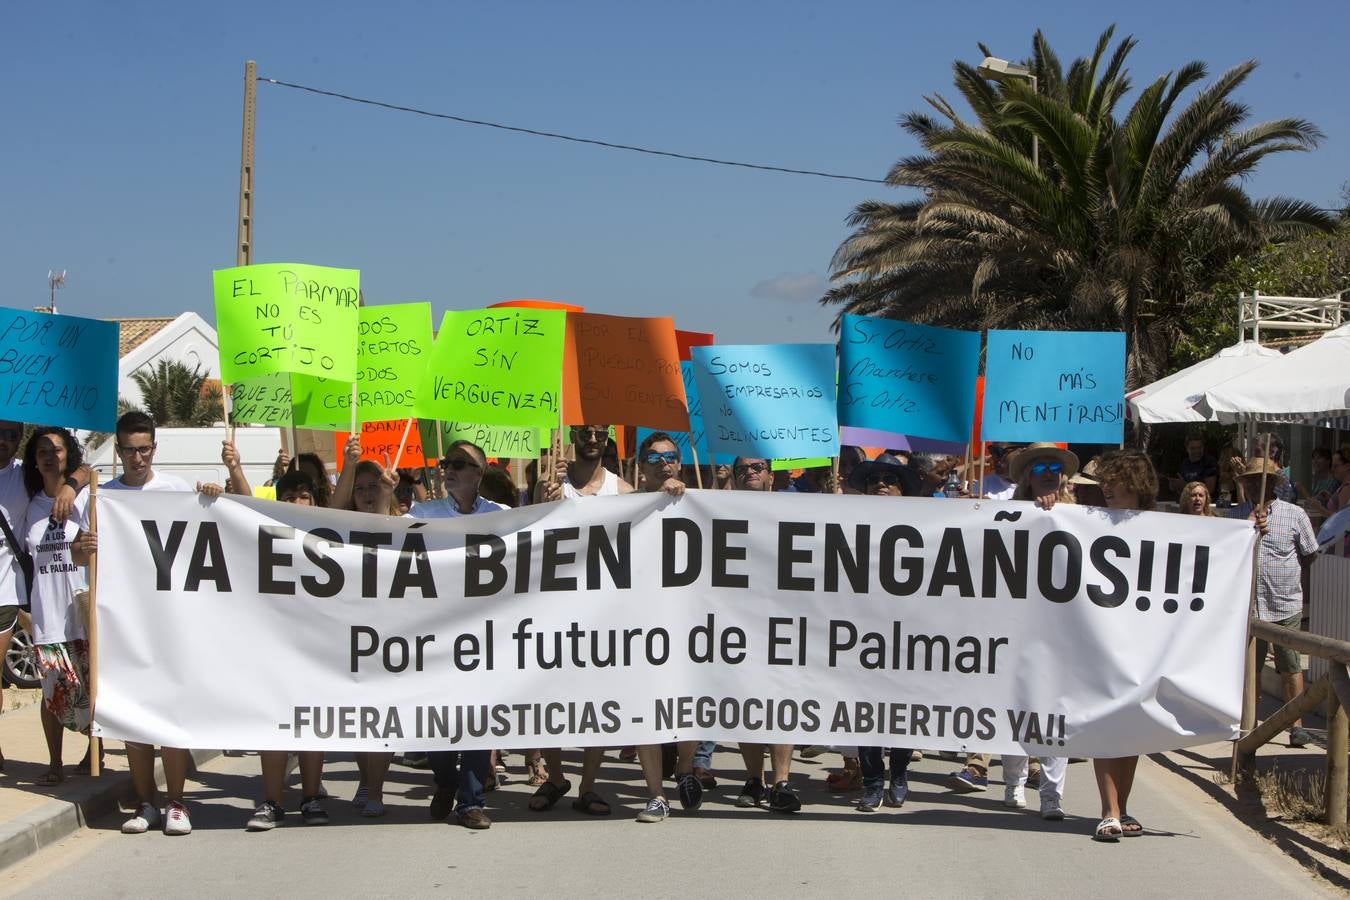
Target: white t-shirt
[
  {"x": 609, "y": 488},
  {"x": 158, "y": 482},
  {"x": 56, "y": 578},
  {"x": 996, "y": 487},
  {"x": 447, "y": 508},
  {"x": 14, "y": 503}
]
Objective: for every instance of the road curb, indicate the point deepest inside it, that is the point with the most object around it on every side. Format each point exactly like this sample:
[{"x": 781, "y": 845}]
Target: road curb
[{"x": 56, "y": 820}]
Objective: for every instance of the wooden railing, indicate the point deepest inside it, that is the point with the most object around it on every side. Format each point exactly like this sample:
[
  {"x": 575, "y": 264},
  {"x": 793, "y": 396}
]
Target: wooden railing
[{"x": 1334, "y": 688}]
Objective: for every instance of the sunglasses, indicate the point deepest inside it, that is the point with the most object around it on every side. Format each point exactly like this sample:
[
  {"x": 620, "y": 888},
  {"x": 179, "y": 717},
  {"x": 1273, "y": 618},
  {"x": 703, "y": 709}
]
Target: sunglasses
[
  {"x": 755, "y": 467},
  {"x": 890, "y": 479},
  {"x": 655, "y": 458},
  {"x": 459, "y": 463},
  {"x": 591, "y": 434},
  {"x": 1052, "y": 468}
]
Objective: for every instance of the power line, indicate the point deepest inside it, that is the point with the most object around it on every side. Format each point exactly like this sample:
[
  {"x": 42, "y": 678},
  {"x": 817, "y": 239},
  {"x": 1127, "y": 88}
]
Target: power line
[{"x": 566, "y": 137}]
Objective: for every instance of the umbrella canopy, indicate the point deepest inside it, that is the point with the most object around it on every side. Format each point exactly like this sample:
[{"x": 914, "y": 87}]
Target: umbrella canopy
[
  {"x": 1173, "y": 399},
  {"x": 1306, "y": 385}
]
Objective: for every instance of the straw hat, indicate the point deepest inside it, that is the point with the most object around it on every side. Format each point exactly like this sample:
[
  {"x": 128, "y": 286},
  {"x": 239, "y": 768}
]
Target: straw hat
[
  {"x": 1088, "y": 475},
  {"x": 1024, "y": 457},
  {"x": 1256, "y": 466}
]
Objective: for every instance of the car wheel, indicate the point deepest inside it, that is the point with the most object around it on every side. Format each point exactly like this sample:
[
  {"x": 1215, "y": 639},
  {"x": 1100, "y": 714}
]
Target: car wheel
[{"x": 20, "y": 664}]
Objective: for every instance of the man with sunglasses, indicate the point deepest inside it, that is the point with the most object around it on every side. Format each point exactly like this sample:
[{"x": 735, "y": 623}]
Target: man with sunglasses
[
  {"x": 659, "y": 464},
  {"x": 996, "y": 484},
  {"x": 460, "y": 774},
  {"x": 586, "y": 476},
  {"x": 757, "y": 475},
  {"x": 134, "y": 435}
]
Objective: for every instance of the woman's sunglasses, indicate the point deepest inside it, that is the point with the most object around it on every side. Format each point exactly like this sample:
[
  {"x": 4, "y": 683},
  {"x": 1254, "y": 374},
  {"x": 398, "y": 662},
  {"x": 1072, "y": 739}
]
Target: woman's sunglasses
[{"x": 1052, "y": 468}]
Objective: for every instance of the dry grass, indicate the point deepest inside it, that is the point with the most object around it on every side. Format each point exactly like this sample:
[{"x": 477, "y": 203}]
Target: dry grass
[{"x": 1297, "y": 795}]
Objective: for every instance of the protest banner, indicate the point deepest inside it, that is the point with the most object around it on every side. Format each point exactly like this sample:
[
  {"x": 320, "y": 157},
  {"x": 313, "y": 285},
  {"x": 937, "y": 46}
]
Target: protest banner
[
  {"x": 787, "y": 465},
  {"x": 495, "y": 367},
  {"x": 379, "y": 443},
  {"x": 287, "y": 317},
  {"x": 58, "y": 370},
  {"x": 622, "y": 370},
  {"x": 906, "y": 378},
  {"x": 772, "y": 401},
  {"x": 1054, "y": 386},
  {"x": 392, "y": 349},
  {"x": 496, "y": 441},
  {"x": 739, "y": 616}
]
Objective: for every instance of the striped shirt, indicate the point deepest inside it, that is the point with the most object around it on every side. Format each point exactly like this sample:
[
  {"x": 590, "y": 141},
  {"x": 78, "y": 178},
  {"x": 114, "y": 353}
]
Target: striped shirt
[{"x": 1289, "y": 536}]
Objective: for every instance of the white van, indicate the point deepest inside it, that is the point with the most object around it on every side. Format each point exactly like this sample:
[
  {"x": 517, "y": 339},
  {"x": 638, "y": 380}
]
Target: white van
[{"x": 193, "y": 454}]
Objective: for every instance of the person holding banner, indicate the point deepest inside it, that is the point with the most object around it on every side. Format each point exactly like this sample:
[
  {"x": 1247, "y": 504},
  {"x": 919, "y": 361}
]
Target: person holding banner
[
  {"x": 16, "y": 565},
  {"x": 135, "y": 444},
  {"x": 1129, "y": 481},
  {"x": 659, "y": 462},
  {"x": 59, "y": 550},
  {"x": 884, "y": 476},
  {"x": 460, "y": 775},
  {"x": 366, "y": 486},
  {"x": 757, "y": 475},
  {"x": 1288, "y": 547},
  {"x": 293, "y": 487},
  {"x": 585, "y": 477}
]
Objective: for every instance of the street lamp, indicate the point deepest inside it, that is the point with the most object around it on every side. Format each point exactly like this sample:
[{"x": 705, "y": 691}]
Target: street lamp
[{"x": 1000, "y": 70}]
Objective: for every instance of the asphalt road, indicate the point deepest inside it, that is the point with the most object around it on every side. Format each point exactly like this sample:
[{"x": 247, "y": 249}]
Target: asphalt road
[{"x": 938, "y": 845}]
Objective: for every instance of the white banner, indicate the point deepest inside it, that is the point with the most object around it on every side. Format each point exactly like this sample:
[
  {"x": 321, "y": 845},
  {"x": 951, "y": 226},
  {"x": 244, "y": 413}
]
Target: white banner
[{"x": 921, "y": 623}]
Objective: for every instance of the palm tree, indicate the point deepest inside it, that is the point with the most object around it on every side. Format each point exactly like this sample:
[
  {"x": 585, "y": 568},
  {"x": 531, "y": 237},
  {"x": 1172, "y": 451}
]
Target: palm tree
[
  {"x": 176, "y": 396},
  {"x": 1123, "y": 219}
]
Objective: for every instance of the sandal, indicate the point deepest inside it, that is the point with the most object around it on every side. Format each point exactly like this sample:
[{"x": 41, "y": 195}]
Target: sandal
[
  {"x": 538, "y": 772},
  {"x": 592, "y": 804},
  {"x": 51, "y": 778},
  {"x": 628, "y": 754},
  {"x": 846, "y": 779},
  {"x": 548, "y": 795},
  {"x": 1130, "y": 827},
  {"x": 1108, "y": 830}
]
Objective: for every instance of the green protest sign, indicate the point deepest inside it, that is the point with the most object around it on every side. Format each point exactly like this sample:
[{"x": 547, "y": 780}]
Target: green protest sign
[
  {"x": 500, "y": 441},
  {"x": 783, "y": 465},
  {"x": 287, "y": 317},
  {"x": 496, "y": 367},
  {"x": 392, "y": 349},
  {"x": 264, "y": 400}
]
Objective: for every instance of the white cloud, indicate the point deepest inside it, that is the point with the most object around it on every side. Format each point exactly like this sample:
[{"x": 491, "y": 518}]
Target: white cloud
[{"x": 791, "y": 286}]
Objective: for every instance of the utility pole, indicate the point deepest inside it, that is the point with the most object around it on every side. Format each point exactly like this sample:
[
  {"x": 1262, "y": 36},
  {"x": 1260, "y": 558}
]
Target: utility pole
[{"x": 244, "y": 249}]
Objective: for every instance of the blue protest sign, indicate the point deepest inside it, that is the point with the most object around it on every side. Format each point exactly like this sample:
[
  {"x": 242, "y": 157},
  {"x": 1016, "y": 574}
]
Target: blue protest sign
[
  {"x": 681, "y": 438},
  {"x": 1054, "y": 386},
  {"x": 907, "y": 379},
  {"x": 772, "y": 401},
  {"x": 58, "y": 370}
]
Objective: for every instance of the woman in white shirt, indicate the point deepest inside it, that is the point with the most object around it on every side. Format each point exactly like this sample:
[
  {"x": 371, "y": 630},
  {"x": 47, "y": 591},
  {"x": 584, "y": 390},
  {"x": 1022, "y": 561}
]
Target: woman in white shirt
[{"x": 59, "y": 551}]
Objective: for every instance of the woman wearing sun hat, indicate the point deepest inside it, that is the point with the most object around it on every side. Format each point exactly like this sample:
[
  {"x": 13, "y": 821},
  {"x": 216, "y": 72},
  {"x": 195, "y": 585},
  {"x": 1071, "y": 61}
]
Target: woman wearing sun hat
[{"x": 1041, "y": 473}]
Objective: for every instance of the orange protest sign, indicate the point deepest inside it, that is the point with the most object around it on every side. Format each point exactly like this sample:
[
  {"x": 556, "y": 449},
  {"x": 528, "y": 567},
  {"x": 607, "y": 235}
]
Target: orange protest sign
[
  {"x": 687, "y": 339},
  {"x": 380, "y": 438},
  {"x": 622, "y": 370}
]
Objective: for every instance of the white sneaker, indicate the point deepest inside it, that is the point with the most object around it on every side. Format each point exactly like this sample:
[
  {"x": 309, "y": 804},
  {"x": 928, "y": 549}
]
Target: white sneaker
[
  {"x": 176, "y": 819},
  {"x": 1014, "y": 796},
  {"x": 146, "y": 817},
  {"x": 1051, "y": 811}
]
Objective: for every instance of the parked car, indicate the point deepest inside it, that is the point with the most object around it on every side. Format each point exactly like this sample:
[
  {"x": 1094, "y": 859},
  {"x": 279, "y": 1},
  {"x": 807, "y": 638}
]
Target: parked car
[{"x": 19, "y": 668}]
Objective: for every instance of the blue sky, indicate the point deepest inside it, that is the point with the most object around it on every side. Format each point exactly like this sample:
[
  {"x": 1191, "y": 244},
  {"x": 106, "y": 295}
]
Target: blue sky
[{"x": 122, "y": 140}]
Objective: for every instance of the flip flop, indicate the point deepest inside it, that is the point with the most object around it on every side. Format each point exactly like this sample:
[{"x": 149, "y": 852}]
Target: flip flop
[
  {"x": 588, "y": 802},
  {"x": 1108, "y": 830},
  {"x": 548, "y": 795},
  {"x": 1126, "y": 822},
  {"x": 50, "y": 778}
]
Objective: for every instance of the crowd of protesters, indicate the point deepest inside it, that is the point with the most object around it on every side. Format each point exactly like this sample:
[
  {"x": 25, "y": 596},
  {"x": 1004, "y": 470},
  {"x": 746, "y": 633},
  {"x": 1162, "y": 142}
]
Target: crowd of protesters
[{"x": 48, "y": 540}]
